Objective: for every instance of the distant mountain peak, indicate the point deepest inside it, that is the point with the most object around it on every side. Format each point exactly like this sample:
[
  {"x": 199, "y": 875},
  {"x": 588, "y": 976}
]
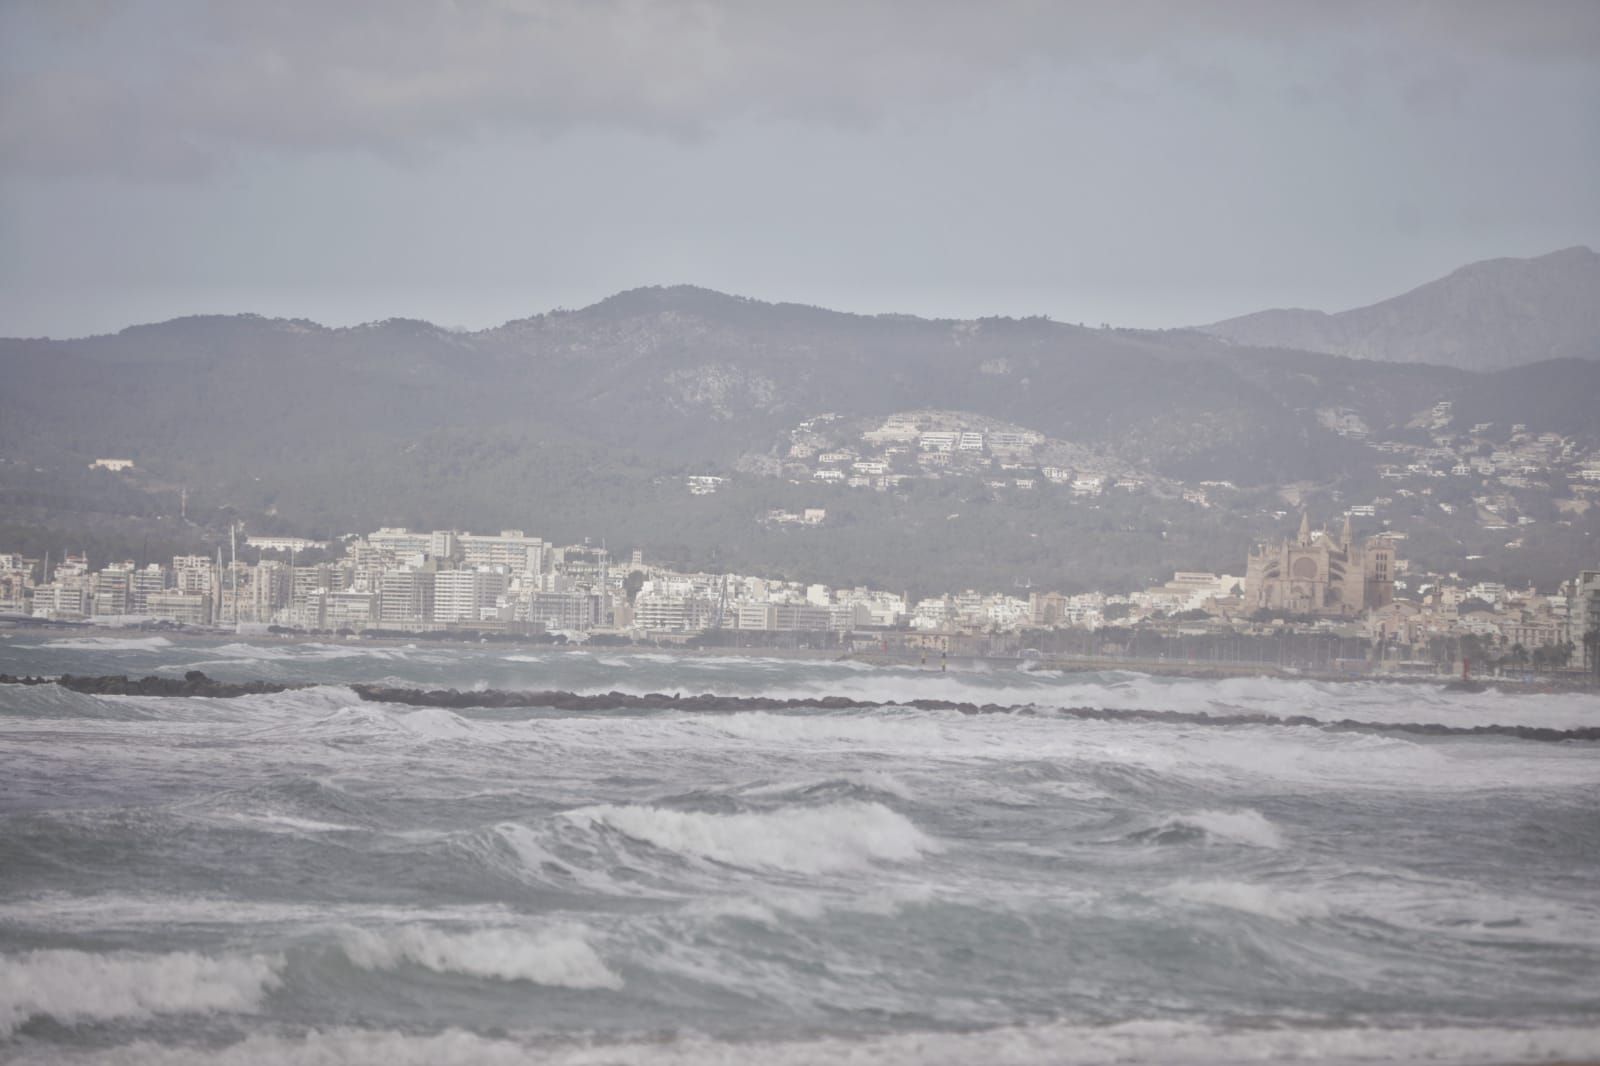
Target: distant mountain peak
[
  {"x": 652, "y": 298},
  {"x": 1488, "y": 315},
  {"x": 214, "y": 323}
]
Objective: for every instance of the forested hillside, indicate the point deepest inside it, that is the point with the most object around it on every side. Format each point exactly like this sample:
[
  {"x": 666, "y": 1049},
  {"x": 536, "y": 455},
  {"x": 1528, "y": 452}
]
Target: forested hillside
[{"x": 582, "y": 423}]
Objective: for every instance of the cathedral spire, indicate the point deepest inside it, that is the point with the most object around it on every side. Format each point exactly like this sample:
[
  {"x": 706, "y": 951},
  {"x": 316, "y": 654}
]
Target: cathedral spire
[
  {"x": 1305, "y": 527},
  {"x": 1348, "y": 536}
]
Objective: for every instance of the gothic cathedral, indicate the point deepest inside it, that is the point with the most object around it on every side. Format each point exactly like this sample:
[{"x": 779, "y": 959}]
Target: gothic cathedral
[{"x": 1318, "y": 574}]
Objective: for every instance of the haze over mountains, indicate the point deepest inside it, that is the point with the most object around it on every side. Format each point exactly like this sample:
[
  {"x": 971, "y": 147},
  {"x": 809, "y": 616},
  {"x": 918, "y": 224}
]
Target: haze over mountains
[
  {"x": 584, "y": 423},
  {"x": 1485, "y": 316}
]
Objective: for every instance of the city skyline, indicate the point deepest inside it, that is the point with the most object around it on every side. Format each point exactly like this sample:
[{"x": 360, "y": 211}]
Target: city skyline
[{"x": 397, "y": 581}]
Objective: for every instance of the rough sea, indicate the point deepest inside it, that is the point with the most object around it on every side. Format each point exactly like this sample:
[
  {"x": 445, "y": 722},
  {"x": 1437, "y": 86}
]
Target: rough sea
[{"x": 309, "y": 878}]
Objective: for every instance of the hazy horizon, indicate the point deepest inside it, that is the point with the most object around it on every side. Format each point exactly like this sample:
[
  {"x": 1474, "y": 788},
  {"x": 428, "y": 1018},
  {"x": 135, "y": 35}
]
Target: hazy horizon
[{"x": 468, "y": 327}]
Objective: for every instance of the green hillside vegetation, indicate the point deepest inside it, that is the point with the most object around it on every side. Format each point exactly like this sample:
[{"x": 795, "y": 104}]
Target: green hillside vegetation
[{"x": 582, "y": 423}]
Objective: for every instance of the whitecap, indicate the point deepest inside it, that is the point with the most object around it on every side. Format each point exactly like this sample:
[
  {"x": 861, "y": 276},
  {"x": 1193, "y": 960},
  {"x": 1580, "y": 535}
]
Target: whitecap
[
  {"x": 109, "y": 643},
  {"x": 1057, "y": 1043},
  {"x": 559, "y": 957},
  {"x": 1241, "y": 826},
  {"x": 80, "y": 986},
  {"x": 810, "y": 840}
]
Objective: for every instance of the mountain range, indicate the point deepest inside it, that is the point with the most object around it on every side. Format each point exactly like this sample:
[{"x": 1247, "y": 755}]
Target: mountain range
[
  {"x": 1486, "y": 316},
  {"x": 584, "y": 423}
]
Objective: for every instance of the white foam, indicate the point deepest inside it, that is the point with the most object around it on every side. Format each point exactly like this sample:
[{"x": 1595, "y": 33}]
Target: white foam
[
  {"x": 109, "y": 643},
  {"x": 288, "y": 823},
  {"x": 1056, "y": 1043},
  {"x": 436, "y": 723},
  {"x": 558, "y": 957},
  {"x": 1371, "y": 701},
  {"x": 1063, "y": 1044},
  {"x": 255, "y": 652},
  {"x": 77, "y": 914},
  {"x": 336, "y": 1047},
  {"x": 292, "y": 706},
  {"x": 874, "y": 780},
  {"x": 314, "y": 651},
  {"x": 536, "y": 861},
  {"x": 809, "y": 840},
  {"x": 78, "y": 986},
  {"x": 879, "y": 781},
  {"x": 1268, "y": 902},
  {"x": 891, "y": 729},
  {"x": 1241, "y": 826}
]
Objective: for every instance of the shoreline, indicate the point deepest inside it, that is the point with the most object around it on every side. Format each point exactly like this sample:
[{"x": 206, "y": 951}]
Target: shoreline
[{"x": 1190, "y": 669}]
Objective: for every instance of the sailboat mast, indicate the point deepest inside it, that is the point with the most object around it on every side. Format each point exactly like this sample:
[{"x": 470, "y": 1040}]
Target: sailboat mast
[{"x": 233, "y": 569}]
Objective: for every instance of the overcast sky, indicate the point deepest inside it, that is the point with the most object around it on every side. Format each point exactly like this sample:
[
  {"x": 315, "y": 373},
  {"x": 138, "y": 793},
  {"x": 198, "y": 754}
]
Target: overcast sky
[{"x": 468, "y": 162}]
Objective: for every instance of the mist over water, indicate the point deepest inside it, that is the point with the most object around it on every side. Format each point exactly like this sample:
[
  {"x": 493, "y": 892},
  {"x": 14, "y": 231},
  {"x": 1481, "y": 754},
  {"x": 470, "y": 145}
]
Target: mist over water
[{"x": 308, "y": 877}]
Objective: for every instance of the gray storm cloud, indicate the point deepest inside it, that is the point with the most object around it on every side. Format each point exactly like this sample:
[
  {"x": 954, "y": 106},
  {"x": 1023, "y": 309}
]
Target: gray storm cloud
[
  {"x": 1160, "y": 162},
  {"x": 174, "y": 89}
]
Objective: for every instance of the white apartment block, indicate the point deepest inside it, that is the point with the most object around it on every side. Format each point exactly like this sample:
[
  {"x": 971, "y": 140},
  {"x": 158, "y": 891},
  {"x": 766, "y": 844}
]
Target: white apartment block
[
  {"x": 113, "y": 591},
  {"x": 192, "y": 574},
  {"x": 511, "y": 548},
  {"x": 185, "y": 608},
  {"x": 61, "y": 600},
  {"x": 668, "y": 612},
  {"x": 405, "y": 598},
  {"x": 465, "y": 595},
  {"x": 283, "y": 544},
  {"x": 401, "y": 541},
  {"x": 559, "y": 610}
]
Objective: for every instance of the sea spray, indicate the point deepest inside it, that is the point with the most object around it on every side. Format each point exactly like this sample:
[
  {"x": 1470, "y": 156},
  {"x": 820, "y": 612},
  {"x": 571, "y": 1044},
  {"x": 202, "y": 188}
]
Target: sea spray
[{"x": 76, "y": 986}]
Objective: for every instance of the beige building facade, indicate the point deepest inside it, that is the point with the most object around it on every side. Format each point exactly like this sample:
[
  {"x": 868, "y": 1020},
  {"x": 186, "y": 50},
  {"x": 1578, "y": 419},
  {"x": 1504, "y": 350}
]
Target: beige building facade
[{"x": 1317, "y": 573}]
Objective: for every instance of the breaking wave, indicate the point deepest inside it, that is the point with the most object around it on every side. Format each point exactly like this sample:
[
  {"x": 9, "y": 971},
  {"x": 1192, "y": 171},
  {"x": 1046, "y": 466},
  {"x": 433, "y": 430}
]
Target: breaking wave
[
  {"x": 314, "y": 651},
  {"x": 813, "y": 840},
  {"x": 109, "y": 643},
  {"x": 482, "y": 877},
  {"x": 1375, "y": 701},
  {"x": 558, "y": 957},
  {"x": 1063, "y": 1044},
  {"x": 867, "y": 782},
  {"x": 81, "y": 986},
  {"x": 1243, "y": 826}
]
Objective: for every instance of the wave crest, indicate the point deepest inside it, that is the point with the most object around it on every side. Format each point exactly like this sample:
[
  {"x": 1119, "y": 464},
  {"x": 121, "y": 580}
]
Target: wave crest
[
  {"x": 76, "y": 986},
  {"x": 1062, "y": 1043},
  {"x": 808, "y": 840},
  {"x": 1263, "y": 900},
  {"x": 1242, "y": 826},
  {"x": 108, "y": 644},
  {"x": 557, "y": 957}
]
